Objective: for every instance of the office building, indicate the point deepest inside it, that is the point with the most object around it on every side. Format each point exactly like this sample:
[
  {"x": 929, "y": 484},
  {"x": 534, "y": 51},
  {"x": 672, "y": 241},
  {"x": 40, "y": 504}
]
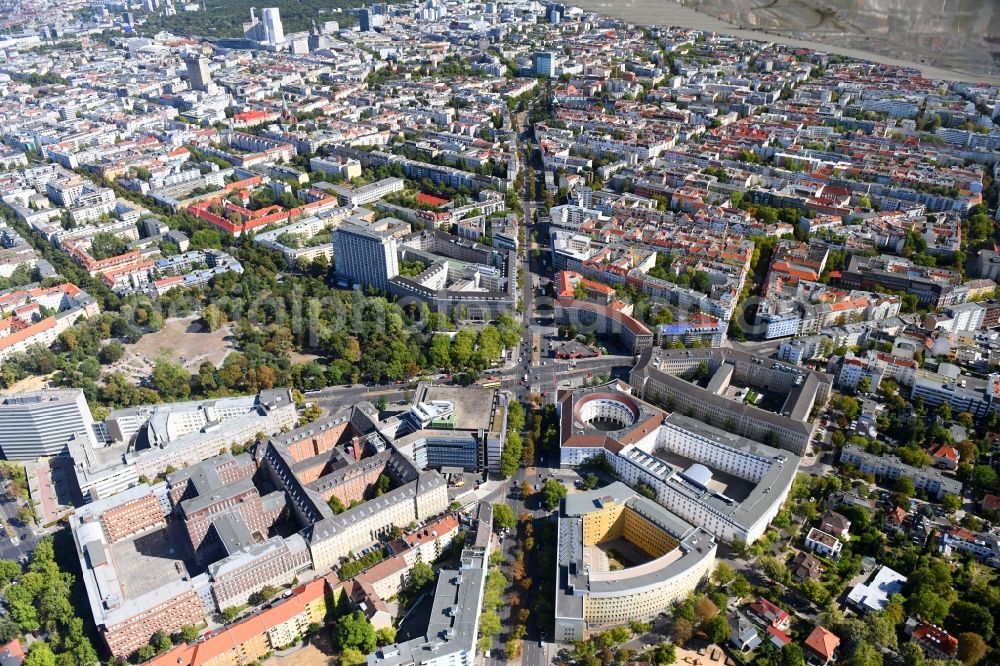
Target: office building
[
  {"x": 199, "y": 77},
  {"x": 365, "y": 22},
  {"x": 43, "y": 423},
  {"x": 590, "y": 596},
  {"x": 554, "y": 13},
  {"x": 727, "y": 485},
  {"x": 135, "y": 578},
  {"x": 365, "y": 255},
  {"x": 545, "y": 64},
  {"x": 274, "y": 33},
  {"x": 663, "y": 376},
  {"x": 450, "y": 426}
]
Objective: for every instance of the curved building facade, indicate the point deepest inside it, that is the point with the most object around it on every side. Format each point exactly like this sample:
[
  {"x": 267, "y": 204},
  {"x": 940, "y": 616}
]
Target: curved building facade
[{"x": 590, "y": 596}]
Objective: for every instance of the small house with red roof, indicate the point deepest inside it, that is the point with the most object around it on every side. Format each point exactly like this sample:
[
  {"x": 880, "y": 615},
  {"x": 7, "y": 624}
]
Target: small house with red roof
[
  {"x": 945, "y": 456},
  {"x": 778, "y": 638},
  {"x": 770, "y": 614},
  {"x": 12, "y": 654},
  {"x": 822, "y": 644}
]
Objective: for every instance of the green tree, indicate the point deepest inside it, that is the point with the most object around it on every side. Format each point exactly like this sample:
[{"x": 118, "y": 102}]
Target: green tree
[
  {"x": 792, "y": 655},
  {"x": 355, "y": 631},
  {"x": 462, "y": 347},
  {"x": 951, "y": 502},
  {"x": 111, "y": 352},
  {"x": 161, "y": 641},
  {"x": 336, "y": 505},
  {"x": 664, "y": 655},
  {"x": 232, "y": 612},
  {"x": 352, "y": 657},
  {"x": 717, "y": 629},
  {"x": 984, "y": 477},
  {"x": 723, "y": 574},
  {"x": 510, "y": 457},
  {"x": 9, "y": 570},
  {"x": 503, "y": 517},
  {"x": 105, "y": 245},
  {"x": 386, "y": 635},
  {"x": 867, "y": 655},
  {"x": 40, "y": 654},
  {"x": 421, "y": 575},
  {"x": 553, "y": 492},
  {"x": 190, "y": 633},
  {"x": 171, "y": 380},
  {"x": 439, "y": 353},
  {"x": 682, "y": 630},
  {"x": 944, "y": 411}
]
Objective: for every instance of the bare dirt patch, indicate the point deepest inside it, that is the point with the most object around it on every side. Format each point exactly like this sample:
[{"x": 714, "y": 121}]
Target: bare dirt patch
[{"x": 181, "y": 341}]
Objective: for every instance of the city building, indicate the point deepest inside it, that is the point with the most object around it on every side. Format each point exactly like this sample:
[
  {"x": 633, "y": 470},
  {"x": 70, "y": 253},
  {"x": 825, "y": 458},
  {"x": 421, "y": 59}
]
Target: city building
[
  {"x": 727, "y": 485},
  {"x": 274, "y": 33},
  {"x": 453, "y": 630},
  {"x": 675, "y": 558},
  {"x": 545, "y": 64},
  {"x": 36, "y": 316},
  {"x": 587, "y": 317},
  {"x": 43, "y": 423},
  {"x": 450, "y": 426},
  {"x": 366, "y": 194},
  {"x": 873, "y": 594},
  {"x": 199, "y": 77},
  {"x": 732, "y": 394},
  {"x": 889, "y": 467},
  {"x": 150, "y": 439},
  {"x": 365, "y": 255},
  {"x": 134, "y": 576}
]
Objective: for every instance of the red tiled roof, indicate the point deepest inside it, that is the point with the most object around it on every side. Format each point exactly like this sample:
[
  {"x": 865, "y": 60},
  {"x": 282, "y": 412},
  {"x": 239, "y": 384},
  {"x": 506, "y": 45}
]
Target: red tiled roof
[
  {"x": 822, "y": 642},
  {"x": 936, "y": 637},
  {"x": 782, "y": 637}
]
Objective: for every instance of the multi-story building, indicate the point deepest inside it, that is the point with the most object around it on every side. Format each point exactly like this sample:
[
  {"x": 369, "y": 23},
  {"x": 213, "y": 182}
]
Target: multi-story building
[
  {"x": 965, "y": 394},
  {"x": 659, "y": 376},
  {"x": 179, "y": 435},
  {"x": 43, "y": 423},
  {"x": 274, "y": 32},
  {"x": 876, "y": 366},
  {"x": 984, "y": 545},
  {"x": 825, "y": 544},
  {"x": 677, "y": 458},
  {"x": 24, "y": 323},
  {"x": 590, "y": 597},
  {"x": 453, "y": 631},
  {"x": 545, "y": 64},
  {"x": 585, "y": 317},
  {"x": 135, "y": 579},
  {"x": 929, "y": 479},
  {"x": 366, "y": 194},
  {"x": 366, "y": 255},
  {"x": 933, "y": 287},
  {"x": 199, "y": 77}
]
